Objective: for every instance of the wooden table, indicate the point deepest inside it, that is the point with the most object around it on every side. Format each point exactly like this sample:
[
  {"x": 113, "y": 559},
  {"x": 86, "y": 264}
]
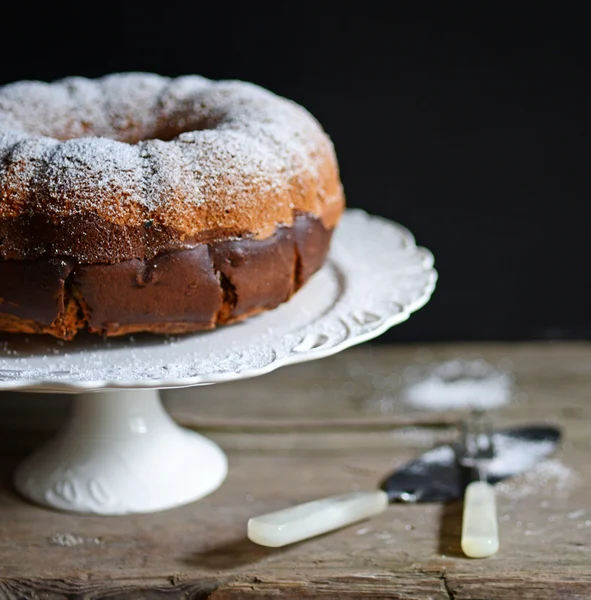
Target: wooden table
[{"x": 307, "y": 431}]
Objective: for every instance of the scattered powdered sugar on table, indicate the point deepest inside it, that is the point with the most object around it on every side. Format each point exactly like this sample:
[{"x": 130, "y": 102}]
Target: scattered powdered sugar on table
[
  {"x": 514, "y": 455},
  {"x": 548, "y": 478},
  {"x": 522, "y": 463},
  {"x": 535, "y": 473},
  {"x": 457, "y": 384},
  {"x": 69, "y": 540}
]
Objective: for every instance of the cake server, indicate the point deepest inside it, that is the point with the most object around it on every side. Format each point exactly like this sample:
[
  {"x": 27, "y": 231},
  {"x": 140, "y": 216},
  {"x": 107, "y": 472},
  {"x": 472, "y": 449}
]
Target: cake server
[{"x": 435, "y": 476}]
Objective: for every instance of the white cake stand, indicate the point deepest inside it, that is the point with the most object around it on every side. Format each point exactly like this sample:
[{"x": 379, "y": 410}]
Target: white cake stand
[{"x": 122, "y": 453}]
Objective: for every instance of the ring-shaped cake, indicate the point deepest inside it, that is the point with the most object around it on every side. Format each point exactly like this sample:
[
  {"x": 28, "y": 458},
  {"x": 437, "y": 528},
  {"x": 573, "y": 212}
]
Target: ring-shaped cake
[{"x": 135, "y": 202}]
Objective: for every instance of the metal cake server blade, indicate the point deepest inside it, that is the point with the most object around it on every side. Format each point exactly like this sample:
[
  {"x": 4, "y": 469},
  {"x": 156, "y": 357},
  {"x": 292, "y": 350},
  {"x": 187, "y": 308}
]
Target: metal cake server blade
[{"x": 436, "y": 476}]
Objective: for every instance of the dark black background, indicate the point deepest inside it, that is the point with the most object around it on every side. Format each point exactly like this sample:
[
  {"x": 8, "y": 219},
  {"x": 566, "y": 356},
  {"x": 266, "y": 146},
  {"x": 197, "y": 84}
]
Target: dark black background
[{"x": 469, "y": 126}]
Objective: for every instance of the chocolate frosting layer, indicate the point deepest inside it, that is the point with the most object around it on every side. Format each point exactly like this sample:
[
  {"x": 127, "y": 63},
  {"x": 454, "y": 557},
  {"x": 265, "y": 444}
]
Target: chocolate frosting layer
[
  {"x": 174, "y": 292},
  {"x": 34, "y": 289},
  {"x": 174, "y": 287}
]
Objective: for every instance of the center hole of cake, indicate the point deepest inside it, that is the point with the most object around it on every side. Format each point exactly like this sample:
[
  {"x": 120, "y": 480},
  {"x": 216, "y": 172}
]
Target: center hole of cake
[
  {"x": 171, "y": 129},
  {"x": 131, "y": 132}
]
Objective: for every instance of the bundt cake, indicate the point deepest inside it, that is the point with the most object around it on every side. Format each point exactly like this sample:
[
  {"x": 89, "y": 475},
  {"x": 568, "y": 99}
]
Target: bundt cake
[{"x": 135, "y": 202}]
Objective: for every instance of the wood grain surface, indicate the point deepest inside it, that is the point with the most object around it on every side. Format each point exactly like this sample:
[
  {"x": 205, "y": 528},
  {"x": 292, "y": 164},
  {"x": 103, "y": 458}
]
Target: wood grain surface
[{"x": 307, "y": 431}]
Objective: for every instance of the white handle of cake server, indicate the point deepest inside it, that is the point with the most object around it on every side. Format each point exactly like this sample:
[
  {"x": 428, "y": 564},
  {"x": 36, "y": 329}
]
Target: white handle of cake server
[
  {"x": 307, "y": 520},
  {"x": 480, "y": 532}
]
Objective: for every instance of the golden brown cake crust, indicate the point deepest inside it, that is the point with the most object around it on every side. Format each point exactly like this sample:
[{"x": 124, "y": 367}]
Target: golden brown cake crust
[{"x": 132, "y": 165}]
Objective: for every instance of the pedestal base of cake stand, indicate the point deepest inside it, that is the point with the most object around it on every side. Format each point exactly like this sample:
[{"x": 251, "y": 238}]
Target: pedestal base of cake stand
[{"x": 121, "y": 453}]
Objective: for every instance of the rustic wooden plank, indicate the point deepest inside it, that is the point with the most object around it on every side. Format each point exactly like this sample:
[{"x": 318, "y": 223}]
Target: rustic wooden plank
[
  {"x": 521, "y": 587},
  {"x": 393, "y": 588},
  {"x": 87, "y": 589},
  {"x": 307, "y": 448}
]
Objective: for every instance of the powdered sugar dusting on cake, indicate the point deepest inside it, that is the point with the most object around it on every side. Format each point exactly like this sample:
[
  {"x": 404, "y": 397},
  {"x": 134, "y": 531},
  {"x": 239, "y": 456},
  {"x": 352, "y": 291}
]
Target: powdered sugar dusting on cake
[
  {"x": 38, "y": 108},
  {"x": 20, "y": 160},
  {"x": 220, "y": 142},
  {"x": 81, "y": 168}
]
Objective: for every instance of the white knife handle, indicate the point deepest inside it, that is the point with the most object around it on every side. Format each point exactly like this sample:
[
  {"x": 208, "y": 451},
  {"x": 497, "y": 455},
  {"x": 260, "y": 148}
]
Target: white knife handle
[
  {"x": 480, "y": 533},
  {"x": 314, "y": 518}
]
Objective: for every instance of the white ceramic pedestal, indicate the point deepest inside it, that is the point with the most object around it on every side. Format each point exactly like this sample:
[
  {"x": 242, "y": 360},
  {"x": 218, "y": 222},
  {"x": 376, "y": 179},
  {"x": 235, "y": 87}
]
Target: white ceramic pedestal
[{"x": 121, "y": 452}]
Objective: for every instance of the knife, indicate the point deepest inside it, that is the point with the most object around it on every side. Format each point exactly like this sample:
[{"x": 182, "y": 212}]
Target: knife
[{"x": 435, "y": 476}]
